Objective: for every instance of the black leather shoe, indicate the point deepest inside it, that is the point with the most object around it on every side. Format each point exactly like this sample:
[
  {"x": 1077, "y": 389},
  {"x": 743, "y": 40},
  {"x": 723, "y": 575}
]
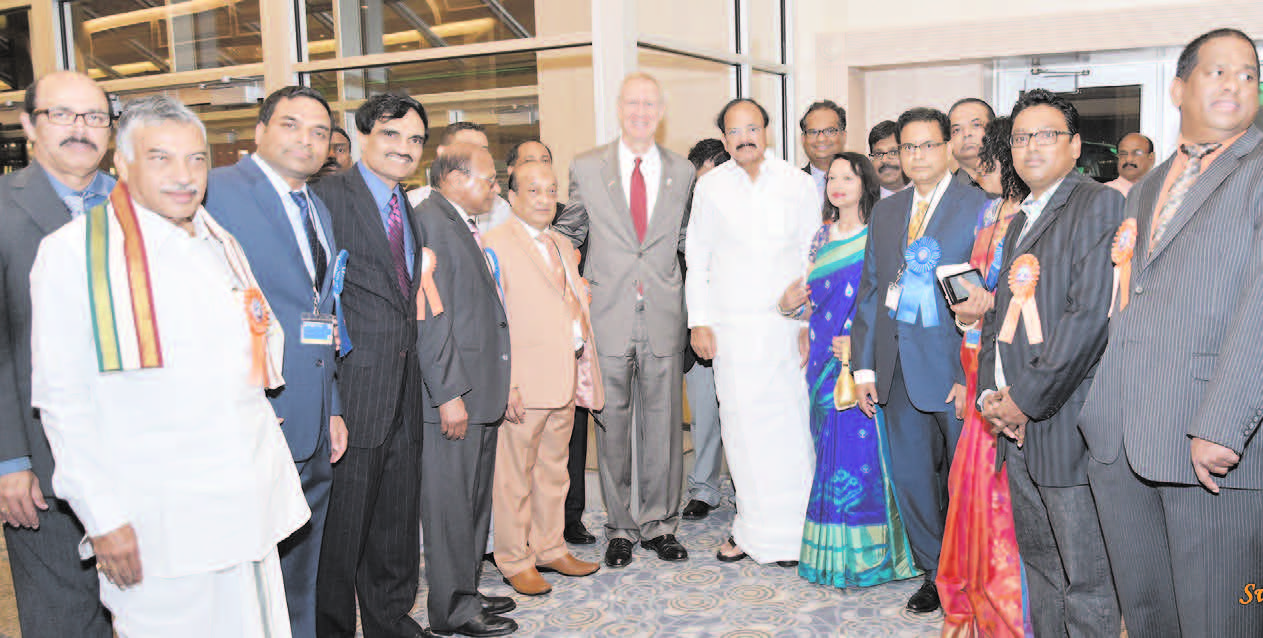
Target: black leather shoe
[
  {"x": 496, "y": 604},
  {"x": 925, "y": 600},
  {"x": 619, "y": 553},
  {"x": 696, "y": 510},
  {"x": 787, "y": 563},
  {"x": 489, "y": 557},
  {"x": 576, "y": 534},
  {"x": 666, "y": 547},
  {"x": 484, "y": 625}
]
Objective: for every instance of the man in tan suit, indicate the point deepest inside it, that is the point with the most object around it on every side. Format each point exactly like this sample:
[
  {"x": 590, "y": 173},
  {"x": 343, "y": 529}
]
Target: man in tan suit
[{"x": 553, "y": 367}]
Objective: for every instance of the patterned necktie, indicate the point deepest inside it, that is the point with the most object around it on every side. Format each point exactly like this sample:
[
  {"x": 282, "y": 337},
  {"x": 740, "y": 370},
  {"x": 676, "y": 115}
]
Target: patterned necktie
[
  {"x": 916, "y": 226},
  {"x": 473, "y": 230},
  {"x": 639, "y": 202},
  {"x": 319, "y": 259},
  {"x": 1179, "y": 188},
  {"x": 394, "y": 233},
  {"x": 554, "y": 262},
  {"x": 74, "y": 202}
]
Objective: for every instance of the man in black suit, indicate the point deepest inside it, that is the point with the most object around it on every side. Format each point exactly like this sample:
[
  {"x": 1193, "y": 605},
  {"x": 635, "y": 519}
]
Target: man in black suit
[
  {"x": 371, "y": 546},
  {"x": 67, "y": 118},
  {"x": 969, "y": 118},
  {"x": 1034, "y": 377},
  {"x": 464, "y": 356},
  {"x": 824, "y": 135}
]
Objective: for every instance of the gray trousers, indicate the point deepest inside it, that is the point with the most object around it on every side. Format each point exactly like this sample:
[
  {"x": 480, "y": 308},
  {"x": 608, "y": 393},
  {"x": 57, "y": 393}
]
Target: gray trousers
[
  {"x": 655, "y": 382},
  {"x": 1184, "y": 559},
  {"x": 1067, "y": 572},
  {"x": 57, "y": 594},
  {"x": 708, "y": 447}
]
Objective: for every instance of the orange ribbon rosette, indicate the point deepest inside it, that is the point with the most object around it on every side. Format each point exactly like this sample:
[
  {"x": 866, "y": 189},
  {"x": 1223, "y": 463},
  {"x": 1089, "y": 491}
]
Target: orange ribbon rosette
[
  {"x": 257, "y": 314},
  {"x": 1023, "y": 275},
  {"x": 429, "y": 290},
  {"x": 1121, "y": 252}
]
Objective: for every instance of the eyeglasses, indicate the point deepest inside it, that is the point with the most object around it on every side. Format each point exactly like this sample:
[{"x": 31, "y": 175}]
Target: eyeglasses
[
  {"x": 1135, "y": 153},
  {"x": 1042, "y": 138},
  {"x": 832, "y": 131},
  {"x": 66, "y": 117},
  {"x": 924, "y": 147},
  {"x": 491, "y": 181},
  {"x": 752, "y": 130},
  {"x": 880, "y": 155}
]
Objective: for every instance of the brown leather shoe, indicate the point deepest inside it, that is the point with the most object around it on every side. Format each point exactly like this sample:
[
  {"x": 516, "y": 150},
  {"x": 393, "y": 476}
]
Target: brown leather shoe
[
  {"x": 529, "y": 583},
  {"x": 568, "y": 565}
]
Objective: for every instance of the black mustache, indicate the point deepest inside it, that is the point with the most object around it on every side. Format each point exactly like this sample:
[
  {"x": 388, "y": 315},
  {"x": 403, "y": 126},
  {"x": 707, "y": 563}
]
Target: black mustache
[
  {"x": 887, "y": 167},
  {"x": 403, "y": 156},
  {"x": 747, "y": 144},
  {"x": 1130, "y": 164},
  {"x": 78, "y": 140}
]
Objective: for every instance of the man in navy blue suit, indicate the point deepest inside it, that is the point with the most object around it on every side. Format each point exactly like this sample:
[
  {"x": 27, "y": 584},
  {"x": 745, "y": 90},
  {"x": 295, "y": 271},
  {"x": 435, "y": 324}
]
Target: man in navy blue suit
[
  {"x": 905, "y": 346},
  {"x": 287, "y": 236}
]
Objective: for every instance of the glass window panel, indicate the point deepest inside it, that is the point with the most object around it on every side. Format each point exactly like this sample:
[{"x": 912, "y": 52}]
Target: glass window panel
[
  {"x": 126, "y": 38},
  {"x": 766, "y": 18},
  {"x": 229, "y": 112},
  {"x": 15, "y": 50},
  {"x": 701, "y": 23},
  {"x": 695, "y": 92},
  {"x": 387, "y": 26},
  {"x": 13, "y": 155},
  {"x": 421, "y": 78},
  {"x": 768, "y": 89}
]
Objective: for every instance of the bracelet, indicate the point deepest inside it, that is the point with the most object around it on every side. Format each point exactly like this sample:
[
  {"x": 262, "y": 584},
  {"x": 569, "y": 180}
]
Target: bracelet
[{"x": 964, "y": 327}]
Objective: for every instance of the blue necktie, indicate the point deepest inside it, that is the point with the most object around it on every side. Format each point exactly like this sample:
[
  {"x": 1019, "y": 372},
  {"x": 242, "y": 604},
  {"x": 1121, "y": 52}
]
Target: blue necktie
[{"x": 318, "y": 257}]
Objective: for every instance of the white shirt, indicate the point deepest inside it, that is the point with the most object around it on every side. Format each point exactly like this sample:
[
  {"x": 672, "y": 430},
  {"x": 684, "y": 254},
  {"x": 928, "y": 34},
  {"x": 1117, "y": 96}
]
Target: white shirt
[
  {"x": 650, "y": 169},
  {"x": 500, "y": 209},
  {"x": 189, "y": 454},
  {"x": 748, "y": 240},
  {"x": 295, "y": 216},
  {"x": 885, "y": 192}
]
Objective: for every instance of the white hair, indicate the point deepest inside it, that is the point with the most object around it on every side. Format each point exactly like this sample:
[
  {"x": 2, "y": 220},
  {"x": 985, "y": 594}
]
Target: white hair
[{"x": 150, "y": 110}]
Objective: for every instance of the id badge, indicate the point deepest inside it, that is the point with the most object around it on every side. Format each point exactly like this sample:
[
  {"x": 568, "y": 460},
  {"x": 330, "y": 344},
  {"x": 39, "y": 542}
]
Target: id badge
[
  {"x": 318, "y": 329},
  {"x": 892, "y": 297},
  {"x": 973, "y": 339}
]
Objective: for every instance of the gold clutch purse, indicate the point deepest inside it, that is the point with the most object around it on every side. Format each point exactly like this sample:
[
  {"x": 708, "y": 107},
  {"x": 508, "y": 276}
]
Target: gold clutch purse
[{"x": 844, "y": 390}]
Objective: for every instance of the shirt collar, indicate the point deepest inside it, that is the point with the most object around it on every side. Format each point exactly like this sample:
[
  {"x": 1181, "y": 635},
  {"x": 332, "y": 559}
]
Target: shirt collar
[
  {"x": 158, "y": 229},
  {"x": 469, "y": 220},
  {"x": 530, "y": 230},
  {"x": 101, "y": 185},
  {"x": 1034, "y": 206},
  {"x": 940, "y": 187},
  {"x": 380, "y": 191},
  {"x": 275, "y": 178},
  {"x": 628, "y": 159}
]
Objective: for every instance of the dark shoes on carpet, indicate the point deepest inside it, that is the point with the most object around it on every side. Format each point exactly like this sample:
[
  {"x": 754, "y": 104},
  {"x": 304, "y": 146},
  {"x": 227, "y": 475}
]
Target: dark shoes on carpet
[
  {"x": 619, "y": 553},
  {"x": 576, "y": 534},
  {"x": 696, "y": 510},
  {"x": 787, "y": 563},
  {"x": 666, "y": 547},
  {"x": 484, "y": 625},
  {"x": 729, "y": 558},
  {"x": 496, "y": 604},
  {"x": 925, "y": 600}
]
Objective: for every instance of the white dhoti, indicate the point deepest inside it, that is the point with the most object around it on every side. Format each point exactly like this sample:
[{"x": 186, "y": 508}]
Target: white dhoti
[
  {"x": 243, "y": 601},
  {"x": 763, "y": 410}
]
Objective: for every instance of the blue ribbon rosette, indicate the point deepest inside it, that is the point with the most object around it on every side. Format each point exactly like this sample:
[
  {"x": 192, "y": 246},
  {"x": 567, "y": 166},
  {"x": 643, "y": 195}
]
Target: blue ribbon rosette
[
  {"x": 921, "y": 259},
  {"x": 339, "y": 280}
]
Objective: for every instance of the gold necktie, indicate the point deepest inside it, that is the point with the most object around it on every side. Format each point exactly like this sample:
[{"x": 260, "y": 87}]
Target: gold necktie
[{"x": 917, "y": 226}]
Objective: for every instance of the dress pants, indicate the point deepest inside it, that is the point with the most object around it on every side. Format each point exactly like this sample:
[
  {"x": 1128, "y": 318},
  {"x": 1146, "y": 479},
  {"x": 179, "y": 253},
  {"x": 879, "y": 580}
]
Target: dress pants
[
  {"x": 57, "y": 593},
  {"x": 654, "y": 382},
  {"x": 300, "y": 553},
  {"x": 576, "y": 467},
  {"x": 1183, "y": 559},
  {"x": 708, "y": 445},
  {"x": 456, "y": 483},
  {"x": 530, "y": 484},
  {"x": 1067, "y": 572},
  {"x": 922, "y": 445},
  {"x": 371, "y": 548}
]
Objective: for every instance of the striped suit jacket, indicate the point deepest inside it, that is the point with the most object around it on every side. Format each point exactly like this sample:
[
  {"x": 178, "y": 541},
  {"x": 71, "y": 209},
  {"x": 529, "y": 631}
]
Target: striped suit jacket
[
  {"x": 1050, "y": 380},
  {"x": 1185, "y": 358}
]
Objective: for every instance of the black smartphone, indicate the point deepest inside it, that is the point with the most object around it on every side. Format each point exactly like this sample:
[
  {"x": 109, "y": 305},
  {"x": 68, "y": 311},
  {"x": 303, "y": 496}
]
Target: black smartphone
[{"x": 954, "y": 289}]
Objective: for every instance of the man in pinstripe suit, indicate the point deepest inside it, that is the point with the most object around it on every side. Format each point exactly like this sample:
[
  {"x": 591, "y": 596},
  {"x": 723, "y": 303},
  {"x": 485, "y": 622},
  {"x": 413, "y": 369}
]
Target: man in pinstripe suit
[
  {"x": 1033, "y": 380},
  {"x": 1177, "y": 398}
]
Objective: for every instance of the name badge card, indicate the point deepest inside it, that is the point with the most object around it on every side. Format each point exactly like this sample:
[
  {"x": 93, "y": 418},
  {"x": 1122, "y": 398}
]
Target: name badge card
[
  {"x": 317, "y": 329},
  {"x": 892, "y": 297}
]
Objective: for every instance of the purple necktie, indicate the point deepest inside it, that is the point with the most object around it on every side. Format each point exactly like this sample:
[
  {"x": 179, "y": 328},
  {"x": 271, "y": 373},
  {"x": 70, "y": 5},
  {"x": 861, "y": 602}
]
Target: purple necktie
[{"x": 394, "y": 233}]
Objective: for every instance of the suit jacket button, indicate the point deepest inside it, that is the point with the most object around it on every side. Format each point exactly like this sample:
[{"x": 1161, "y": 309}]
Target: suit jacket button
[
  {"x": 504, "y": 324},
  {"x": 504, "y": 357},
  {"x": 403, "y": 354},
  {"x": 320, "y": 363},
  {"x": 1140, "y": 289}
]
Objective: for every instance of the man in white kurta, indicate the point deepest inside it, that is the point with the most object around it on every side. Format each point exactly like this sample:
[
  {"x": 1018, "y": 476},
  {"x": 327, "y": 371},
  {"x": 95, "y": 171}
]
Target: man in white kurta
[
  {"x": 178, "y": 471},
  {"x": 748, "y": 239}
]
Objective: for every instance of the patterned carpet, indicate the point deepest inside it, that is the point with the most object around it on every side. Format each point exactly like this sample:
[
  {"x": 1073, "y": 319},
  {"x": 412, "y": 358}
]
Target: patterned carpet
[{"x": 703, "y": 598}]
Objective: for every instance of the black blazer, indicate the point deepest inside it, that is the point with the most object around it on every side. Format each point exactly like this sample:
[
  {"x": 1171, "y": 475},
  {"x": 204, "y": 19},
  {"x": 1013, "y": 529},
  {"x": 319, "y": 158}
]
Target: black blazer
[
  {"x": 29, "y": 210},
  {"x": 382, "y": 323},
  {"x": 1050, "y": 381},
  {"x": 465, "y": 350}
]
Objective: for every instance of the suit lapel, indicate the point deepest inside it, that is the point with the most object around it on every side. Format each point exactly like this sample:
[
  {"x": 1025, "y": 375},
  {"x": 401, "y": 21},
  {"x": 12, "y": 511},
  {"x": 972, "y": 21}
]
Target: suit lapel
[
  {"x": 1208, "y": 182},
  {"x": 1050, "y": 212},
  {"x": 36, "y": 196},
  {"x": 274, "y": 215},
  {"x": 326, "y": 223},
  {"x": 663, "y": 219},
  {"x": 613, "y": 177},
  {"x": 527, "y": 244},
  {"x": 1147, "y": 191},
  {"x": 464, "y": 237}
]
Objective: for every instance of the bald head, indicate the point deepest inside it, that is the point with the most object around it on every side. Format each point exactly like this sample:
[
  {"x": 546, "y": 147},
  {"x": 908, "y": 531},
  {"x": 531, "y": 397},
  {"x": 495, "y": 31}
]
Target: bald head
[
  {"x": 1135, "y": 156},
  {"x": 67, "y": 118},
  {"x": 466, "y": 175}
]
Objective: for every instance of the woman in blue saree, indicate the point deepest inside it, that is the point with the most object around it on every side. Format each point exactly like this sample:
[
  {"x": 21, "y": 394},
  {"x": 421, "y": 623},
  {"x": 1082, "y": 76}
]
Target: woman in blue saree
[{"x": 853, "y": 536}]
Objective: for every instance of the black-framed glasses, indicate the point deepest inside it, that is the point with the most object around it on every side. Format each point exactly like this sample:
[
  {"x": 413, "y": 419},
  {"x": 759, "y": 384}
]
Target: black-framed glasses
[
  {"x": 66, "y": 117},
  {"x": 1042, "y": 138},
  {"x": 877, "y": 156},
  {"x": 832, "y": 131},
  {"x": 924, "y": 147}
]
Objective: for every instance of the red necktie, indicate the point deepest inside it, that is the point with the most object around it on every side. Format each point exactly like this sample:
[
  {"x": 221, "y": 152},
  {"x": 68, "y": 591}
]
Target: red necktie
[
  {"x": 394, "y": 233},
  {"x": 640, "y": 217}
]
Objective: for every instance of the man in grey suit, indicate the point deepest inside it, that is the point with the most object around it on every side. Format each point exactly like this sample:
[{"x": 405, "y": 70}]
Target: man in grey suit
[
  {"x": 464, "y": 355},
  {"x": 628, "y": 198},
  {"x": 67, "y": 118},
  {"x": 1177, "y": 401},
  {"x": 287, "y": 234},
  {"x": 1032, "y": 380}
]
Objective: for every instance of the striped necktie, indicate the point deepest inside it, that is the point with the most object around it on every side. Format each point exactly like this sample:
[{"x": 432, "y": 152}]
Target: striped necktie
[
  {"x": 394, "y": 233},
  {"x": 1180, "y": 187},
  {"x": 319, "y": 259}
]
